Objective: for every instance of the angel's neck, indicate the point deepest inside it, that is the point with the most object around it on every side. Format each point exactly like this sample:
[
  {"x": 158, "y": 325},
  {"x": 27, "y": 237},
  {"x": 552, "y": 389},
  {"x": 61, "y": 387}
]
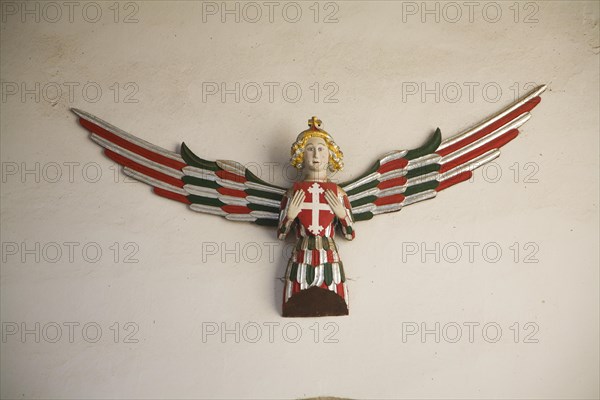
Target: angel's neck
[
  {"x": 315, "y": 180},
  {"x": 320, "y": 176}
]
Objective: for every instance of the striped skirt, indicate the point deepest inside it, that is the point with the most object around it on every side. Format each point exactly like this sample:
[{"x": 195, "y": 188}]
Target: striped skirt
[{"x": 301, "y": 275}]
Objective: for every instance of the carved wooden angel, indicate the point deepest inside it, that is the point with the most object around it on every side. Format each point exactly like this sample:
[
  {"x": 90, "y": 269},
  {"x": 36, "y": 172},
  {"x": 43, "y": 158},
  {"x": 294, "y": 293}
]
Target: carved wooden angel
[{"x": 315, "y": 282}]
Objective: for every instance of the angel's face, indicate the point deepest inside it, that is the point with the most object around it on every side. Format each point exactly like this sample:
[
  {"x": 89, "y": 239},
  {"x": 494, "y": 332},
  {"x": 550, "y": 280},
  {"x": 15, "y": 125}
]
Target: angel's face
[{"x": 316, "y": 154}]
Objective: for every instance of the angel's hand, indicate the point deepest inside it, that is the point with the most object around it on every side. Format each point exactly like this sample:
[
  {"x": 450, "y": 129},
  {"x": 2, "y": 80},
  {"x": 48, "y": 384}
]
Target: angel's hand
[
  {"x": 296, "y": 204},
  {"x": 336, "y": 205}
]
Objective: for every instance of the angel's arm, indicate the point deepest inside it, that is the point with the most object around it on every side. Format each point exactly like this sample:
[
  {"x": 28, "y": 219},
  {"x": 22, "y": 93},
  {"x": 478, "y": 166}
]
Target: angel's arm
[
  {"x": 342, "y": 209},
  {"x": 347, "y": 223},
  {"x": 285, "y": 223}
]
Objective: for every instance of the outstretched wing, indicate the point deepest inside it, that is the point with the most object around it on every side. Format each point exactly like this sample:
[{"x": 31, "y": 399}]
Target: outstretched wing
[
  {"x": 401, "y": 178},
  {"x": 224, "y": 188}
]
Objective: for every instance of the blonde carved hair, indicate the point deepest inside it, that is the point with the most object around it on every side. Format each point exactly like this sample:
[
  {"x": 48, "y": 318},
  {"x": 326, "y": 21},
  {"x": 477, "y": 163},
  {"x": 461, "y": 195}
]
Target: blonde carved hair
[{"x": 297, "y": 152}]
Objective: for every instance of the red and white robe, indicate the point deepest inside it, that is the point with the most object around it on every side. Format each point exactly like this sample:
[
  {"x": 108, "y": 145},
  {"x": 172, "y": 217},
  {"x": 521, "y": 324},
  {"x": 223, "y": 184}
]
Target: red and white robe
[{"x": 315, "y": 260}]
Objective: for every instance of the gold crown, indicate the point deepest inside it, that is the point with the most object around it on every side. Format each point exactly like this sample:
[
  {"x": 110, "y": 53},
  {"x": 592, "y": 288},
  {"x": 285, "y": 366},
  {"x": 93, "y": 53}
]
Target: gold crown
[
  {"x": 314, "y": 123},
  {"x": 314, "y": 130}
]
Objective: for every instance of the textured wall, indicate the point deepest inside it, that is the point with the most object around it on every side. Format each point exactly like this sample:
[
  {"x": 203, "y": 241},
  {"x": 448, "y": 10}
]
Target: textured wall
[{"x": 131, "y": 292}]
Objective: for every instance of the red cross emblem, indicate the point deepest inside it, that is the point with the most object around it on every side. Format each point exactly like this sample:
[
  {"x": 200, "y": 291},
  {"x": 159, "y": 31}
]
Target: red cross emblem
[{"x": 315, "y": 214}]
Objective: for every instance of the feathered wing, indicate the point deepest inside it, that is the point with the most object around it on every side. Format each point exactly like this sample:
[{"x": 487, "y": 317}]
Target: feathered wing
[
  {"x": 224, "y": 188},
  {"x": 402, "y": 177}
]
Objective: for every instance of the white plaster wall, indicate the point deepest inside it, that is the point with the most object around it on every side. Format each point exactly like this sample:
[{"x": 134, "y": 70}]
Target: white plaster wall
[{"x": 370, "y": 54}]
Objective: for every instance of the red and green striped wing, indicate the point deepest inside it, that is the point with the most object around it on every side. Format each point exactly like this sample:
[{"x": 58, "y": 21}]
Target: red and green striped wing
[
  {"x": 224, "y": 188},
  {"x": 402, "y": 177}
]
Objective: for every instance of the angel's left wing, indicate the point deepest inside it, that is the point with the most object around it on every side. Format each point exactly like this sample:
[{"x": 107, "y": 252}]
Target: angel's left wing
[
  {"x": 224, "y": 188},
  {"x": 402, "y": 177}
]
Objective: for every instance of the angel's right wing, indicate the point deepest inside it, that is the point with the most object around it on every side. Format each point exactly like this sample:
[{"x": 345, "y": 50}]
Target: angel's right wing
[
  {"x": 224, "y": 188},
  {"x": 402, "y": 177}
]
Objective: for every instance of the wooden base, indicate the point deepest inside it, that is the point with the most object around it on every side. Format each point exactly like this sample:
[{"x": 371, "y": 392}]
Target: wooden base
[{"x": 315, "y": 302}]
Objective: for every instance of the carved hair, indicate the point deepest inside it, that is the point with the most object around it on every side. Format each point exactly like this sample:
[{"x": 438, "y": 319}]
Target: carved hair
[{"x": 297, "y": 152}]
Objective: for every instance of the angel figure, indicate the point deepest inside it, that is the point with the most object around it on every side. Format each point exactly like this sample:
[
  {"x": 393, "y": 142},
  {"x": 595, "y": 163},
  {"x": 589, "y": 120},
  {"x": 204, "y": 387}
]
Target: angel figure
[
  {"x": 315, "y": 282},
  {"x": 314, "y": 279}
]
